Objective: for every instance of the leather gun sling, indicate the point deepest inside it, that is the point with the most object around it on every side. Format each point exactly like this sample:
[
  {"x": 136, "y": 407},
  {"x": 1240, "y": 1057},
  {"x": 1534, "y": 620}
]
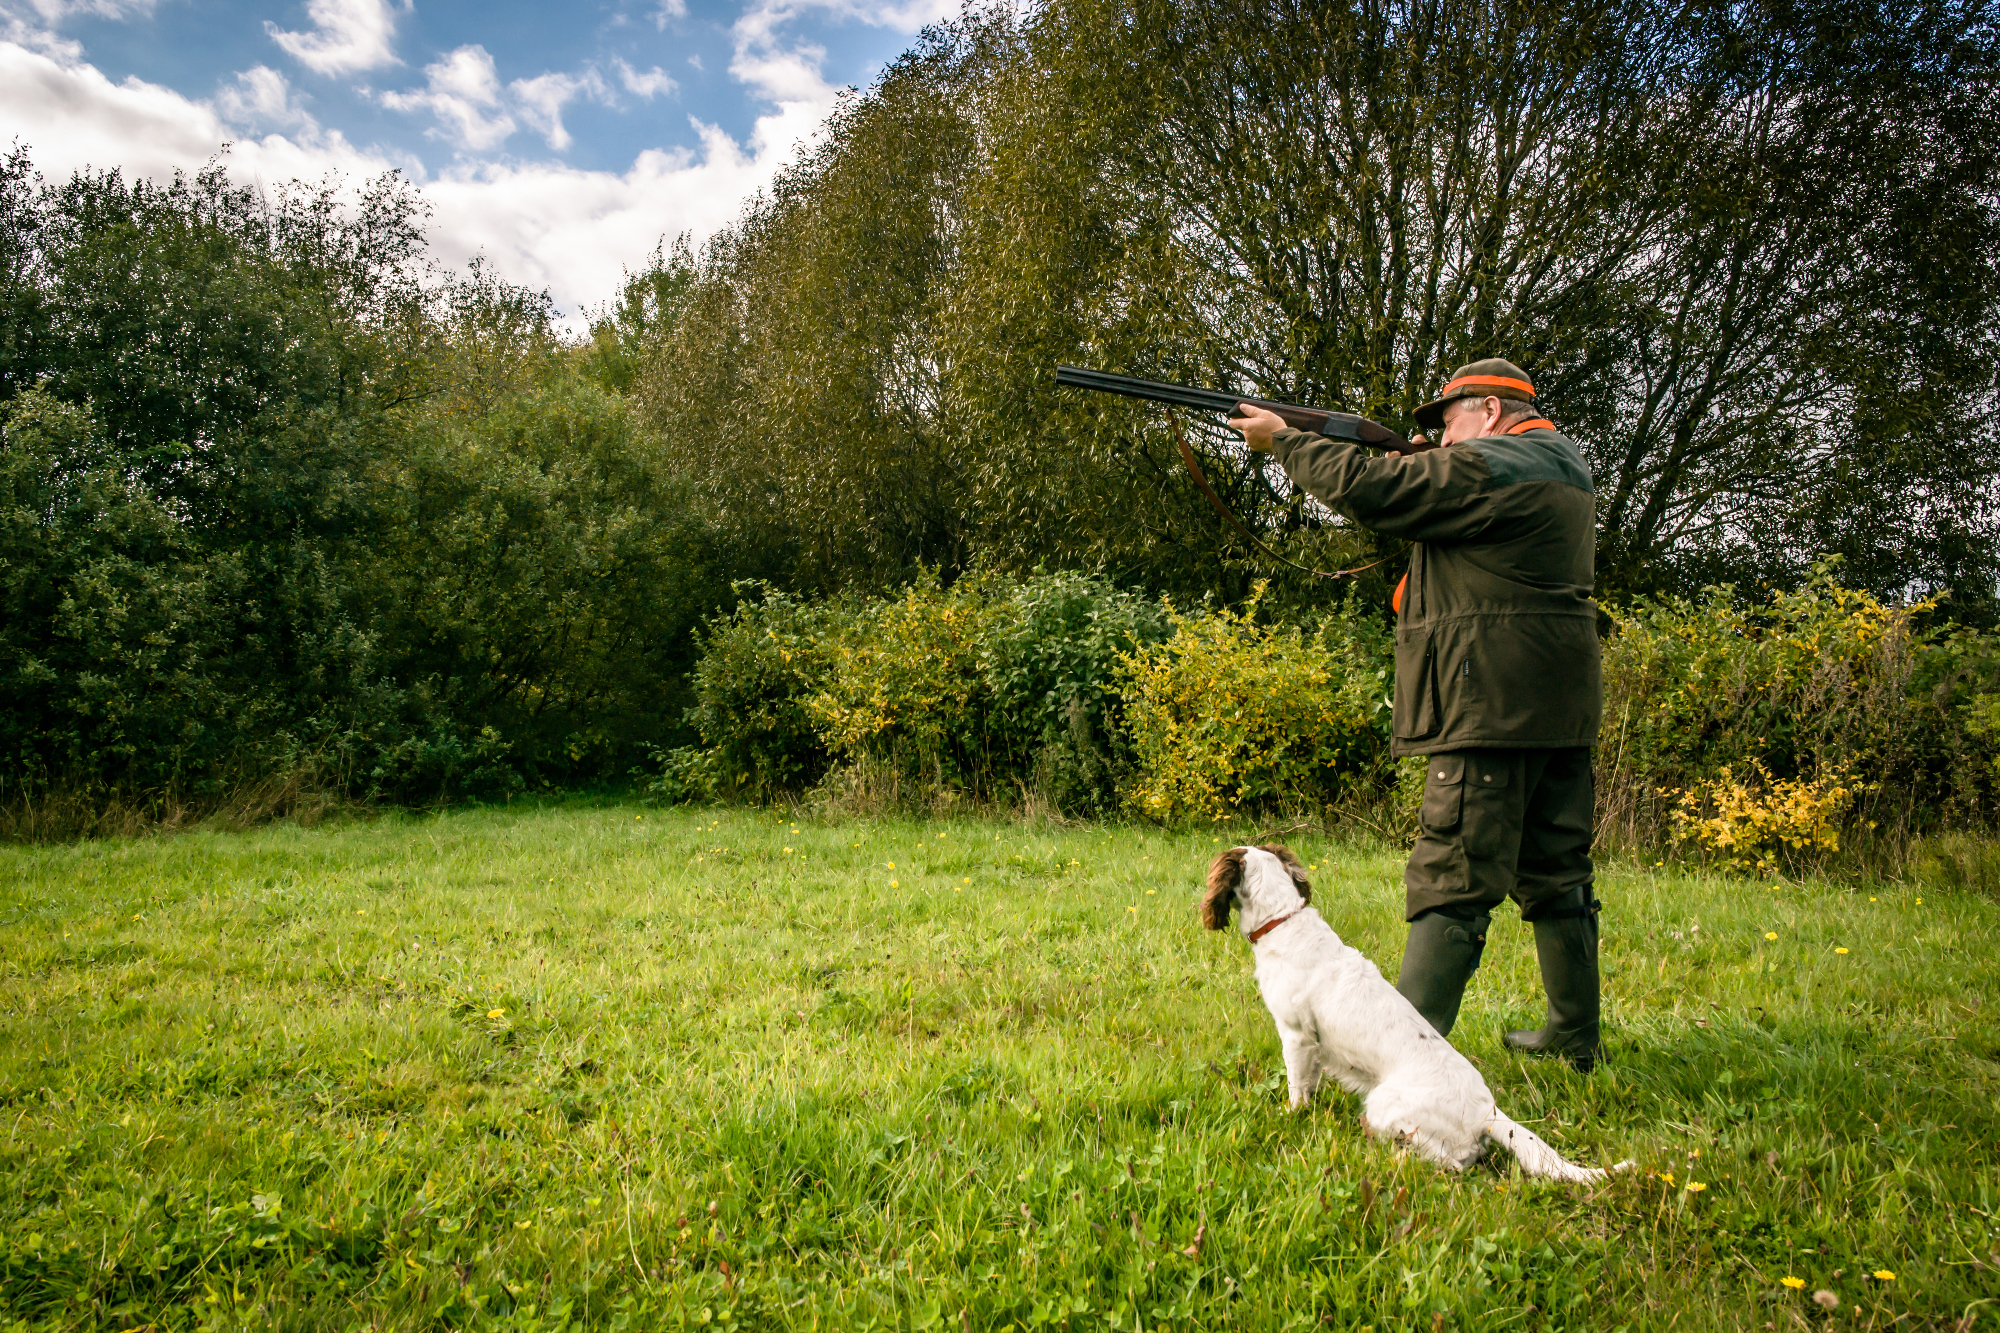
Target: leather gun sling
[{"x": 1194, "y": 470}]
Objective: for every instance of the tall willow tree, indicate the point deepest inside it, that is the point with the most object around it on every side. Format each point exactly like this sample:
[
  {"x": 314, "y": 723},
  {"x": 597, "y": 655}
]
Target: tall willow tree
[{"x": 1747, "y": 251}]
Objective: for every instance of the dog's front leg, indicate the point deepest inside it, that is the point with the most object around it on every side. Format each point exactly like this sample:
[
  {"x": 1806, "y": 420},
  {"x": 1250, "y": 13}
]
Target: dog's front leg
[{"x": 1301, "y": 1063}]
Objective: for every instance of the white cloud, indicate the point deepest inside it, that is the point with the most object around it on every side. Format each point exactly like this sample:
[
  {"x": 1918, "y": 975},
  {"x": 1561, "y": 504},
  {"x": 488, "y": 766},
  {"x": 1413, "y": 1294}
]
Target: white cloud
[
  {"x": 55, "y": 11},
  {"x": 790, "y": 75},
  {"x": 464, "y": 92},
  {"x": 72, "y": 118},
  {"x": 668, "y": 11},
  {"x": 544, "y": 225},
  {"x": 541, "y": 224},
  {"x": 347, "y": 36},
  {"x": 540, "y": 101},
  {"x": 648, "y": 84},
  {"x": 260, "y": 98}
]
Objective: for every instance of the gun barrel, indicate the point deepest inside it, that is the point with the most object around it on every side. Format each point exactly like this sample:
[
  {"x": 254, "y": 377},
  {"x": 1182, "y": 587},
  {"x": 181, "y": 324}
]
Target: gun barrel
[
  {"x": 1157, "y": 391},
  {"x": 1335, "y": 425}
]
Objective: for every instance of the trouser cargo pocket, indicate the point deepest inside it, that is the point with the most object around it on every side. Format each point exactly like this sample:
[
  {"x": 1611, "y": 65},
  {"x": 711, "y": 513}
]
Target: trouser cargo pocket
[
  {"x": 1444, "y": 793},
  {"x": 1501, "y": 823}
]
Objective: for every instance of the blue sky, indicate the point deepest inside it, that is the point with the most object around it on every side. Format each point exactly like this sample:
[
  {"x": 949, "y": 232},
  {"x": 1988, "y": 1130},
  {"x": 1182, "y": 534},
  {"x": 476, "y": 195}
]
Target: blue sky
[{"x": 561, "y": 141}]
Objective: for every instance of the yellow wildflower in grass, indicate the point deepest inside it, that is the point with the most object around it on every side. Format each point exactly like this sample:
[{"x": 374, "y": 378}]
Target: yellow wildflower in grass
[
  {"x": 496, "y": 1013},
  {"x": 1795, "y": 1283},
  {"x": 1840, "y": 951},
  {"x": 1695, "y": 1187},
  {"x": 1883, "y": 1275},
  {"x": 1770, "y": 934},
  {"x": 895, "y": 884}
]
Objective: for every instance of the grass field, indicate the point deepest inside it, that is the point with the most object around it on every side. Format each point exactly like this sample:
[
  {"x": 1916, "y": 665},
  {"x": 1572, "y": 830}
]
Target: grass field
[{"x": 600, "y": 1066}]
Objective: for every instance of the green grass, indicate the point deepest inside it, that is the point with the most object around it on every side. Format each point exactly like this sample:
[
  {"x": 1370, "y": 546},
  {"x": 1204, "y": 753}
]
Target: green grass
[{"x": 609, "y": 1067}]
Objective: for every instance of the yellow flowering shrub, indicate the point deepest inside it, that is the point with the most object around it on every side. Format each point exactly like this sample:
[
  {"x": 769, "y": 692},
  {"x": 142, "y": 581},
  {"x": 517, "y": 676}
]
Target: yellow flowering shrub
[
  {"x": 1231, "y": 715},
  {"x": 1759, "y": 823},
  {"x": 903, "y": 675},
  {"x": 1740, "y": 718}
]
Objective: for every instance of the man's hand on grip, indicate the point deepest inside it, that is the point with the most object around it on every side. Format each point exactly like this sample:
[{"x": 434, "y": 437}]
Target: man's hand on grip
[{"x": 1257, "y": 425}]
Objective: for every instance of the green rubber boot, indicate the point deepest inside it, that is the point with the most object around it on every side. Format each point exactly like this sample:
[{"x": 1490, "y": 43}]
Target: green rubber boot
[
  {"x": 1566, "y": 945},
  {"x": 1441, "y": 956}
]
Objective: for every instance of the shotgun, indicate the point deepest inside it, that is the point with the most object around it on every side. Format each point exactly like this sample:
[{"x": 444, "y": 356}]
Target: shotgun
[{"x": 1318, "y": 420}]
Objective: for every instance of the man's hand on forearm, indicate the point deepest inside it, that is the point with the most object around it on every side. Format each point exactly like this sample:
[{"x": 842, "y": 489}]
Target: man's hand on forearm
[{"x": 1257, "y": 426}]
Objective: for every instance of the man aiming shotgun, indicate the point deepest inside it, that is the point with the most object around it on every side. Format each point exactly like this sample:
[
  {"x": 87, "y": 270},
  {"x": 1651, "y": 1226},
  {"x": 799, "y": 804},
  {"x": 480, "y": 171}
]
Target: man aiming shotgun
[
  {"x": 1498, "y": 680},
  {"x": 1497, "y": 672}
]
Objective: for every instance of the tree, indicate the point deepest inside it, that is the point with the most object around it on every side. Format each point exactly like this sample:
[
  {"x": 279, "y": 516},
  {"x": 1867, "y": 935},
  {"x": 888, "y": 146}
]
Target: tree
[{"x": 1745, "y": 248}]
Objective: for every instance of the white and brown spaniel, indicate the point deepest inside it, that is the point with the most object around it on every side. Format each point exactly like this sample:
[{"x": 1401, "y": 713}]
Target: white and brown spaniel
[{"x": 1337, "y": 1016}]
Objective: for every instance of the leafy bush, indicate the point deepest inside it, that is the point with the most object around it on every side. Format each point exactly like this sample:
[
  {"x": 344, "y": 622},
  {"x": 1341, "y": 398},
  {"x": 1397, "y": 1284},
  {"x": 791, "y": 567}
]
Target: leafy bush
[
  {"x": 1816, "y": 690},
  {"x": 1760, "y": 824},
  {"x": 1056, "y": 670},
  {"x": 989, "y": 687},
  {"x": 1230, "y": 715},
  {"x": 284, "y": 510},
  {"x": 760, "y": 666}
]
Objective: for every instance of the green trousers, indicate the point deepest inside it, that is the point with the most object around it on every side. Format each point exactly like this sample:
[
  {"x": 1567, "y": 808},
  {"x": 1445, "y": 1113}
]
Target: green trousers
[{"x": 1499, "y": 824}]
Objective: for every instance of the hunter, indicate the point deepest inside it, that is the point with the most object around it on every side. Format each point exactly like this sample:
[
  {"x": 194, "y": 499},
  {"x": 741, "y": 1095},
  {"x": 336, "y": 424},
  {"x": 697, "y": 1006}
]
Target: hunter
[{"x": 1498, "y": 681}]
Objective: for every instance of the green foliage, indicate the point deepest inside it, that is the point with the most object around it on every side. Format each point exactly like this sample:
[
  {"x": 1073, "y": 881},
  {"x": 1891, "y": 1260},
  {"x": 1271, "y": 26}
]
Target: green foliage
[
  {"x": 1229, "y": 715},
  {"x": 759, "y": 666},
  {"x": 990, "y": 687},
  {"x": 555, "y": 1066},
  {"x": 282, "y": 509},
  {"x": 1826, "y": 686},
  {"x": 1751, "y": 358},
  {"x": 544, "y": 572},
  {"x": 644, "y": 315}
]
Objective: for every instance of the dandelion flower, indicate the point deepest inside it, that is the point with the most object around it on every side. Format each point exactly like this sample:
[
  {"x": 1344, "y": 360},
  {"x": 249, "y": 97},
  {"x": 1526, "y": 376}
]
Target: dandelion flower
[
  {"x": 1871, "y": 900},
  {"x": 892, "y": 865},
  {"x": 1883, "y": 1275},
  {"x": 496, "y": 1013},
  {"x": 1795, "y": 1283},
  {"x": 1151, "y": 892},
  {"x": 1825, "y": 1299},
  {"x": 1920, "y": 902},
  {"x": 524, "y": 1223},
  {"x": 895, "y": 884},
  {"x": 1695, "y": 1187},
  {"x": 1770, "y": 934},
  {"x": 1840, "y": 951}
]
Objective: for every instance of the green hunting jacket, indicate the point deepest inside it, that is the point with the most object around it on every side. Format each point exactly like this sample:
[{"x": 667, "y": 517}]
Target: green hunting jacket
[{"x": 1496, "y": 640}]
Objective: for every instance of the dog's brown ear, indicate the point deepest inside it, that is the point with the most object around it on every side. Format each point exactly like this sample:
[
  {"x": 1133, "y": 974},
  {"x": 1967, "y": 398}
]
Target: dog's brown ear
[
  {"x": 1293, "y": 867},
  {"x": 1224, "y": 874}
]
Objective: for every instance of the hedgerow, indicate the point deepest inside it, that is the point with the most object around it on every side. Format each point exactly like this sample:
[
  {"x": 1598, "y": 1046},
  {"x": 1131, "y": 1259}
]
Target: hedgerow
[{"x": 1769, "y": 736}]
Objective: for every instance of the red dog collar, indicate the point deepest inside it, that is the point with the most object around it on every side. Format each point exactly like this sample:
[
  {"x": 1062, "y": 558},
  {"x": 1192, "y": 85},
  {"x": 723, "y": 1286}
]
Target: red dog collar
[{"x": 1270, "y": 926}]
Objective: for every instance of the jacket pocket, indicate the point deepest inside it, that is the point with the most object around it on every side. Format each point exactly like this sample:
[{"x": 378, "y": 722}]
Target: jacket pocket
[
  {"x": 1444, "y": 793},
  {"x": 1418, "y": 710}
]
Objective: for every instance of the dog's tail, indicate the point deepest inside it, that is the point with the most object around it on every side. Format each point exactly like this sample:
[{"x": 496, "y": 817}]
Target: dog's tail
[{"x": 1538, "y": 1158}]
